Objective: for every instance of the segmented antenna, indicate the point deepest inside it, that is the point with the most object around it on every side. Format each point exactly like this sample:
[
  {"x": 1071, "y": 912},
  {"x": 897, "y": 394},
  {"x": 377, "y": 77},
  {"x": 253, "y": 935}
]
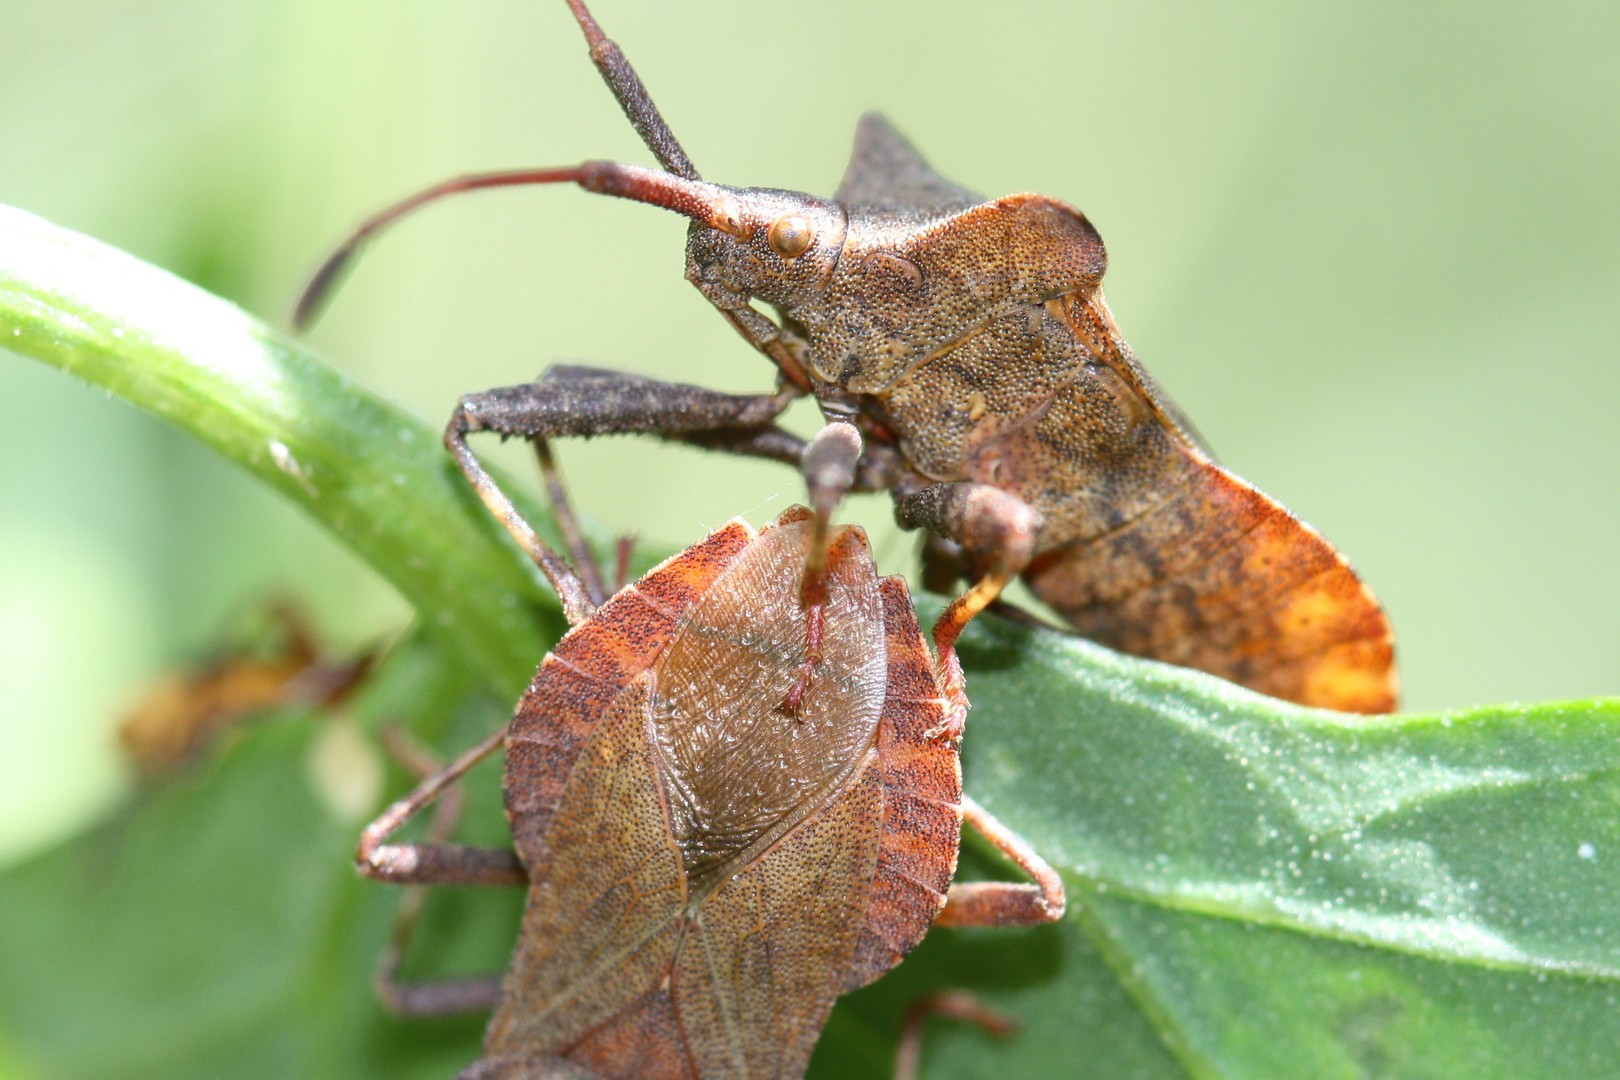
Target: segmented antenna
[
  {"x": 638, "y": 107},
  {"x": 633, "y": 98}
]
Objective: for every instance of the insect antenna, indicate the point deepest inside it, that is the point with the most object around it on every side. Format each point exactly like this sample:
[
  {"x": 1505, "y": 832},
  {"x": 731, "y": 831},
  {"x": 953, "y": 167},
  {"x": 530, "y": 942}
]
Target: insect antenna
[
  {"x": 324, "y": 281},
  {"x": 828, "y": 464},
  {"x": 700, "y": 201},
  {"x": 621, "y": 79},
  {"x": 632, "y": 95}
]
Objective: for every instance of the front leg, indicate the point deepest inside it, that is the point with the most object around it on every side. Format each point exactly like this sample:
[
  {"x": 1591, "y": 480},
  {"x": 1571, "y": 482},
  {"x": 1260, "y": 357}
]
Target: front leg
[
  {"x": 988, "y": 522},
  {"x": 580, "y": 401},
  {"x": 570, "y": 400}
]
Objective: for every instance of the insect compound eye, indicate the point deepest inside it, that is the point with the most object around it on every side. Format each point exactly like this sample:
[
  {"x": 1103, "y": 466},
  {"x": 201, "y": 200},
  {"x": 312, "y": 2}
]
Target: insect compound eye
[{"x": 791, "y": 236}]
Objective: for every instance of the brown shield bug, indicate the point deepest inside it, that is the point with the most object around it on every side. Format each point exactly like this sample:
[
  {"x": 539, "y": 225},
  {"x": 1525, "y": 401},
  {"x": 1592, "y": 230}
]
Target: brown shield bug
[
  {"x": 969, "y": 341},
  {"x": 727, "y": 813}
]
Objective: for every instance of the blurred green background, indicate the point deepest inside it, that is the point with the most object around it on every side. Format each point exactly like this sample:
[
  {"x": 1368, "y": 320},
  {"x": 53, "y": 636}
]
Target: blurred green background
[{"x": 1373, "y": 250}]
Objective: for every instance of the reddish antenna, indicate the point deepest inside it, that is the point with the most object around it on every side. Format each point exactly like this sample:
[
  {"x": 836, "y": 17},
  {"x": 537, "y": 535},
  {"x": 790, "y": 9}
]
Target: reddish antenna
[
  {"x": 696, "y": 200},
  {"x": 703, "y": 202}
]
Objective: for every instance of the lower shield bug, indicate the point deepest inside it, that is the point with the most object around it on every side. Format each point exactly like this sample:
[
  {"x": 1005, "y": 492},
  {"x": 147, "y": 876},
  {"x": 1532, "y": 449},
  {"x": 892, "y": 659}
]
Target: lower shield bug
[{"x": 734, "y": 794}]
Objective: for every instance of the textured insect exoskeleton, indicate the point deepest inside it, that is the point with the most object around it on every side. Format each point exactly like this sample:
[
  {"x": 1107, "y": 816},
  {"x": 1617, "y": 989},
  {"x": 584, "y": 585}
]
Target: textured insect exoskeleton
[
  {"x": 725, "y": 818},
  {"x": 969, "y": 341}
]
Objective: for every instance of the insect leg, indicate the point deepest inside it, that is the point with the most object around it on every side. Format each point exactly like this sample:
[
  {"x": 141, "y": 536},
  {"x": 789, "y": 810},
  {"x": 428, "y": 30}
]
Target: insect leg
[
  {"x": 571, "y": 400},
  {"x": 944, "y": 563},
  {"x": 527, "y": 1067},
  {"x": 575, "y": 595},
  {"x": 621, "y": 561},
  {"x": 441, "y": 996},
  {"x": 562, "y": 510},
  {"x": 1004, "y": 903},
  {"x": 581, "y": 401},
  {"x": 954, "y": 1005},
  {"x": 986, "y": 521},
  {"x": 568, "y": 385},
  {"x": 435, "y": 863}
]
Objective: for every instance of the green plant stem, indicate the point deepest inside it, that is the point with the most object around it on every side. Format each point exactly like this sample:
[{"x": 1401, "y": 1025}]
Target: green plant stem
[{"x": 373, "y": 474}]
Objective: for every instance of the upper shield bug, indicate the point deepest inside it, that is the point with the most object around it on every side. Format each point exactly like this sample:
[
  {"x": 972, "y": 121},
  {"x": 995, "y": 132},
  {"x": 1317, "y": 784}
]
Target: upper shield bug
[
  {"x": 969, "y": 341},
  {"x": 723, "y": 822}
]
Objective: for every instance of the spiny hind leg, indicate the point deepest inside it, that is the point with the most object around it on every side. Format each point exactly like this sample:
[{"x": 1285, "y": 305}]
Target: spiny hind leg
[{"x": 994, "y": 525}]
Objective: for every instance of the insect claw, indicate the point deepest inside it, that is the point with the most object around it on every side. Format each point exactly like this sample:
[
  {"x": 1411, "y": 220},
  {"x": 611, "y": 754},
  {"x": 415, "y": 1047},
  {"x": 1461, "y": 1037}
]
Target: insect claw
[
  {"x": 951, "y": 730},
  {"x": 795, "y": 696}
]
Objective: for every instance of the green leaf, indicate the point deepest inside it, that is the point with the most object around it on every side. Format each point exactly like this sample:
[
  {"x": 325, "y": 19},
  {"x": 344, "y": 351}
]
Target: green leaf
[
  {"x": 1287, "y": 892},
  {"x": 1256, "y": 890},
  {"x": 216, "y": 928}
]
